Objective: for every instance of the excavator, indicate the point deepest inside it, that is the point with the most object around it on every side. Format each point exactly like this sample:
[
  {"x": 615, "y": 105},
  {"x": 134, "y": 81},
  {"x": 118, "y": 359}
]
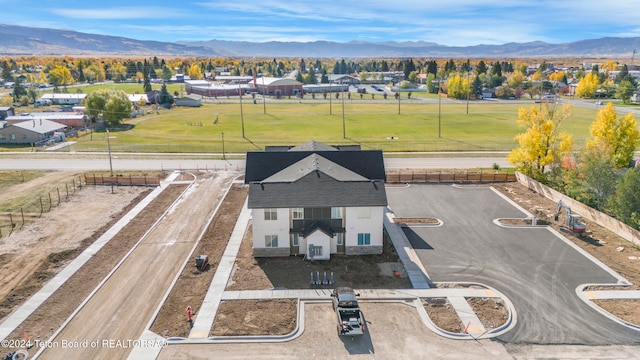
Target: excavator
[{"x": 573, "y": 222}]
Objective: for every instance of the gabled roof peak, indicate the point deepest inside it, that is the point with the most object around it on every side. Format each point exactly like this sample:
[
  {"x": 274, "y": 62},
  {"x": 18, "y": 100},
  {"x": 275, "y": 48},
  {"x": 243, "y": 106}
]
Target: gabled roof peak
[
  {"x": 314, "y": 162},
  {"x": 313, "y": 146}
]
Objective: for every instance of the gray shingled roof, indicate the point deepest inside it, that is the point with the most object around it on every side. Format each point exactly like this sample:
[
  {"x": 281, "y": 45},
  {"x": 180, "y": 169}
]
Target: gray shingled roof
[
  {"x": 40, "y": 126},
  {"x": 315, "y": 175},
  {"x": 311, "y": 163},
  {"x": 317, "y": 189},
  {"x": 313, "y": 146}
]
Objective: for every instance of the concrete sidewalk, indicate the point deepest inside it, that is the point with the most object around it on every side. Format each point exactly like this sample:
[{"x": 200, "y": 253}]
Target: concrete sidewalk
[
  {"x": 412, "y": 265},
  {"x": 206, "y": 315}
]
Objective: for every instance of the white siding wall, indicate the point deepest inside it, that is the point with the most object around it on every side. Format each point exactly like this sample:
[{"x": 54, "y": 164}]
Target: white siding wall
[
  {"x": 372, "y": 225},
  {"x": 262, "y": 227}
]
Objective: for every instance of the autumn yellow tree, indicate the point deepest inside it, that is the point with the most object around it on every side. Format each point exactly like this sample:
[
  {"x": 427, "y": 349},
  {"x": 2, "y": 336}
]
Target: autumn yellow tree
[
  {"x": 587, "y": 86},
  {"x": 542, "y": 145},
  {"x": 516, "y": 79},
  {"x": 118, "y": 72},
  {"x": 195, "y": 72},
  {"x": 610, "y": 66},
  {"x": 458, "y": 87},
  {"x": 615, "y": 137},
  {"x": 556, "y": 76},
  {"x": 60, "y": 76}
]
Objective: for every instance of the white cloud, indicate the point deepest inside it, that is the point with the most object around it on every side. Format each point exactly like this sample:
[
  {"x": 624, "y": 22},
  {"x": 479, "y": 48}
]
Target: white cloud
[{"x": 119, "y": 13}]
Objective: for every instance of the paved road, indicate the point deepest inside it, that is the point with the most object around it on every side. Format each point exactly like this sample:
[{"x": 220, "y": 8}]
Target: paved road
[
  {"x": 535, "y": 269},
  {"x": 395, "y": 331},
  {"x": 101, "y": 162},
  {"x": 121, "y": 308}
]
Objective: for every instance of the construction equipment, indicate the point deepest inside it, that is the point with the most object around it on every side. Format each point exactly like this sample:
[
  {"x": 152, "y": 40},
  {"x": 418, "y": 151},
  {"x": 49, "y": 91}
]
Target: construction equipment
[
  {"x": 202, "y": 261},
  {"x": 573, "y": 222}
]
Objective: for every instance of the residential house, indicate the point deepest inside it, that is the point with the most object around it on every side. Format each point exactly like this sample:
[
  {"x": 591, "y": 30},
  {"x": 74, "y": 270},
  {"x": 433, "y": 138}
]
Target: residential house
[
  {"x": 316, "y": 200},
  {"x": 6, "y": 111},
  {"x": 71, "y": 120},
  {"x": 65, "y": 99},
  {"x": 32, "y": 132}
]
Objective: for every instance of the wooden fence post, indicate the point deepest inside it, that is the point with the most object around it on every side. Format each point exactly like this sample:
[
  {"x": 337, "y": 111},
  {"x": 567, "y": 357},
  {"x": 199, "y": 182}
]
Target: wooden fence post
[
  {"x": 67, "y": 188},
  {"x": 22, "y": 213},
  {"x": 50, "y": 202},
  {"x": 58, "y": 191},
  {"x": 41, "y": 207}
]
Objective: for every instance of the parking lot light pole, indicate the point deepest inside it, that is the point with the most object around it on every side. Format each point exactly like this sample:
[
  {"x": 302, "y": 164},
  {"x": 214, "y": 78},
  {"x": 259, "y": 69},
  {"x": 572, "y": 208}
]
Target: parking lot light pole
[{"x": 344, "y": 129}]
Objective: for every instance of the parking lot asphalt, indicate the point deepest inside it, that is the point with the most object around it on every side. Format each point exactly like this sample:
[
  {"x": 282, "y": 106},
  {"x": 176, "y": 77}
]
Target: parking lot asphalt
[{"x": 534, "y": 267}]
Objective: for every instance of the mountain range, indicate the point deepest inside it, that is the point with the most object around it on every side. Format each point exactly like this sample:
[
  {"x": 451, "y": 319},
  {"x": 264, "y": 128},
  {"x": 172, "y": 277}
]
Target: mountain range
[{"x": 21, "y": 40}]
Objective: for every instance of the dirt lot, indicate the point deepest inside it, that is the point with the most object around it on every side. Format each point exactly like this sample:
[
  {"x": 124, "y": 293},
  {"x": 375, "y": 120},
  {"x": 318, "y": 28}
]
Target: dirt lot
[
  {"x": 32, "y": 255},
  {"x": 48, "y": 317},
  {"x": 247, "y": 317},
  {"x": 601, "y": 243}
]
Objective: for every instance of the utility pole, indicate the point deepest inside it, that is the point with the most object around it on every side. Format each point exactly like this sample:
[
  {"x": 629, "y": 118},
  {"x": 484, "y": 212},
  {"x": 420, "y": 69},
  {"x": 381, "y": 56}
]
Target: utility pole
[
  {"x": 224, "y": 157},
  {"x": 110, "y": 163}
]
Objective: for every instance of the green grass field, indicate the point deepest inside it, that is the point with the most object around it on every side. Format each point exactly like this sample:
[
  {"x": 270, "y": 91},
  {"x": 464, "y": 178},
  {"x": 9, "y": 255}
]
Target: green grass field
[
  {"x": 9, "y": 178},
  {"x": 488, "y": 126}
]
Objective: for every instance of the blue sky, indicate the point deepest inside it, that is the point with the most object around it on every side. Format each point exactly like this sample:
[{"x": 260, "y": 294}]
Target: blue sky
[{"x": 447, "y": 22}]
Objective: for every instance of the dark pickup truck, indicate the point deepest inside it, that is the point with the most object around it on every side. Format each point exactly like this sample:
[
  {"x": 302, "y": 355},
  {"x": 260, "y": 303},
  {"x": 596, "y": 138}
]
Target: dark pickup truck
[{"x": 350, "y": 318}]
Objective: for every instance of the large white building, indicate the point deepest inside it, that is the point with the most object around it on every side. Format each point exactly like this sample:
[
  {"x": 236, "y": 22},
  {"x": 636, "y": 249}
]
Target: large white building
[{"x": 316, "y": 200}]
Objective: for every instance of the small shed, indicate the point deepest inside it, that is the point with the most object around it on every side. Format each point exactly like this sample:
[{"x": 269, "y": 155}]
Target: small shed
[
  {"x": 5, "y": 112},
  {"x": 192, "y": 100}
]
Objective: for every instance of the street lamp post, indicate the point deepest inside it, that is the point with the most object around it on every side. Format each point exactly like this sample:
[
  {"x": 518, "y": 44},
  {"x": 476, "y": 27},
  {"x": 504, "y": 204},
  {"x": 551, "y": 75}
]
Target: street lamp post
[
  {"x": 110, "y": 163},
  {"x": 439, "y": 82},
  {"x": 439, "y": 112},
  {"x": 398, "y": 101}
]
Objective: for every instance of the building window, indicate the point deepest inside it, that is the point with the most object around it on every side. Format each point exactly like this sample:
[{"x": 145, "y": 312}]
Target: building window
[
  {"x": 364, "y": 239},
  {"x": 296, "y": 240},
  {"x": 364, "y": 213},
  {"x": 339, "y": 238},
  {"x": 1, "y": 137},
  {"x": 13, "y": 136},
  {"x": 271, "y": 241},
  {"x": 298, "y": 213},
  {"x": 271, "y": 214},
  {"x": 336, "y": 213}
]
